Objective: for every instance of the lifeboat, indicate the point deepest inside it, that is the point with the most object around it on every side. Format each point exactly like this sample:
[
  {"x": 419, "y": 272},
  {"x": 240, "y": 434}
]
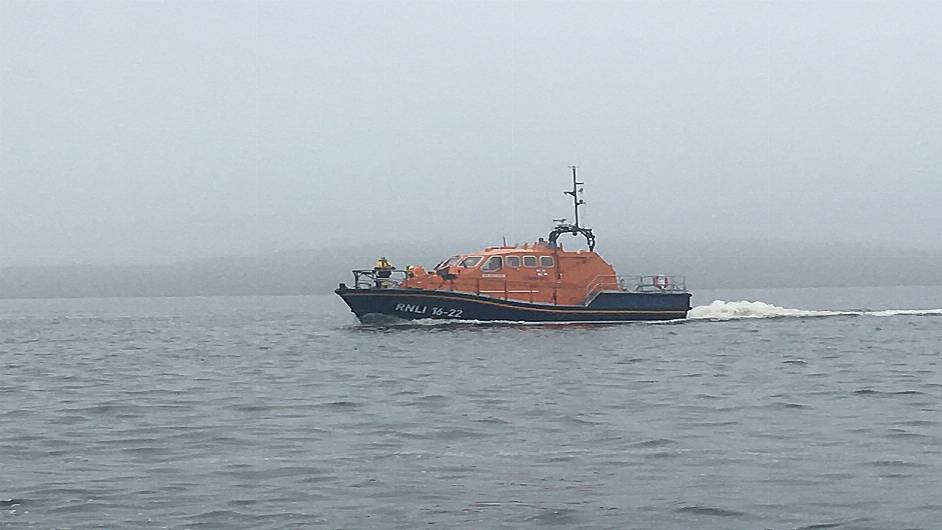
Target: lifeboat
[{"x": 533, "y": 282}]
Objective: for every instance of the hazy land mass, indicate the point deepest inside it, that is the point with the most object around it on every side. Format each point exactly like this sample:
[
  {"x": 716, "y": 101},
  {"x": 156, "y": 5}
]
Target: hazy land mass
[{"x": 733, "y": 264}]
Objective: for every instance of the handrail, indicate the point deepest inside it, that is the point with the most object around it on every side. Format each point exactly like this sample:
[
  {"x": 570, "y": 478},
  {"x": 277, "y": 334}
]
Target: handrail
[
  {"x": 597, "y": 285},
  {"x": 367, "y": 278},
  {"x": 652, "y": 283},
  {"x": 502, "y": 288},
  {"x": 655, "y": 283}
]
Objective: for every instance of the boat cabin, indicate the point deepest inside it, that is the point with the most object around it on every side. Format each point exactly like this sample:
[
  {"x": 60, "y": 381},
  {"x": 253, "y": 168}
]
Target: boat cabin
[{"x": 539, "y": 272}]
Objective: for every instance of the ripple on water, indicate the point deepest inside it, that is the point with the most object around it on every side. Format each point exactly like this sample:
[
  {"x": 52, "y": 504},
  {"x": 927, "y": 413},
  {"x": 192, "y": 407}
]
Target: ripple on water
[
  {"x": 879, "y": 393},
  {"x": 555, "y": 517},
  {"x": 493, "y": 419},
  {"x": 576, "y": 420},
  {"x": 710, "y": 510},
  {"x": 656, "y": 442},
  {"x": 893, "y": 462},
  {"x": 837, "y": 524},
  {"x": 795, "y": 361},
  {"x": 342, "y": 404},
  {"x": 917, "y": 423},
  {"x": 787, "y": 405}
]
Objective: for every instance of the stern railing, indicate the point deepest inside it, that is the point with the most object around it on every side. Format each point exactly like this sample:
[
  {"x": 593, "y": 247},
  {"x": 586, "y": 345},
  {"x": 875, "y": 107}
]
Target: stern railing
[{"x": 652, "y": 283}]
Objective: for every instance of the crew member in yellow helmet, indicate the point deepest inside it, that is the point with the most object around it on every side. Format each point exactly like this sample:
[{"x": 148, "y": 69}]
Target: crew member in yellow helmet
[{"x": 382, "y": 270}]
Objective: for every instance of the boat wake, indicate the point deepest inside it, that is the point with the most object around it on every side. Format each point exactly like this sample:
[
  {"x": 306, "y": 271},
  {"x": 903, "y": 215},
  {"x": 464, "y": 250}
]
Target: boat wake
[{"x": 723, "y": 310}]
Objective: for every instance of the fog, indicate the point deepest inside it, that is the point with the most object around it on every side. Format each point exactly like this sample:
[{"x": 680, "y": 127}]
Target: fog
[{"x": 147, "y": 133}]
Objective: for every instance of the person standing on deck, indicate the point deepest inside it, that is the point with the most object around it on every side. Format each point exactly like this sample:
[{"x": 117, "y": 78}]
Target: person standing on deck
[{"x": 382, "y": 271}]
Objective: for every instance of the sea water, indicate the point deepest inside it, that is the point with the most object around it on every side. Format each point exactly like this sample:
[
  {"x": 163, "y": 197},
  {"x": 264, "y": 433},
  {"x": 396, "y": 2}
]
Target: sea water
[{"x": 801, "y": 408}]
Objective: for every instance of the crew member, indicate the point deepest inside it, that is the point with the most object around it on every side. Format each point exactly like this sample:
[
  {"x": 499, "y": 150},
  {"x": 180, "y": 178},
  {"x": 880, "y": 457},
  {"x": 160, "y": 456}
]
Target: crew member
[{"x": 382, "y": 271}]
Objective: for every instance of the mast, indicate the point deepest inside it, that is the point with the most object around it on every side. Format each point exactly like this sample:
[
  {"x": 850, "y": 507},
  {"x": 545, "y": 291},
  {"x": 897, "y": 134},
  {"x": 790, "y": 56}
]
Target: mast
[
  {"x": 574, "y": 229},
  {"x": 576, "y": 201}
]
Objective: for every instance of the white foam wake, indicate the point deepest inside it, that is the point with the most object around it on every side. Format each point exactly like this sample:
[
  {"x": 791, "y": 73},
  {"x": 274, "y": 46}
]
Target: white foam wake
[
  {"x": 895, "y": 312},
  {"x": 723, "y": 310}
]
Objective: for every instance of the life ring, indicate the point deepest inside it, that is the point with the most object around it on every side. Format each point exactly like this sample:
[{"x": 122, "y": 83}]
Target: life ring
[{"x": 662, "y": 282}]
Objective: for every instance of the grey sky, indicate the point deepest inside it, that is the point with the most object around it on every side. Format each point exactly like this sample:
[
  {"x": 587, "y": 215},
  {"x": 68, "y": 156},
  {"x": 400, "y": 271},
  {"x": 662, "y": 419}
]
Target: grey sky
[{"x": 138, "y": 131}]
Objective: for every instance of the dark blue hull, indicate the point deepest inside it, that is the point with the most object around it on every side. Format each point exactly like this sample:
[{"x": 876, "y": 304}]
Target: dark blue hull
[{"x": 414, "y": 304}]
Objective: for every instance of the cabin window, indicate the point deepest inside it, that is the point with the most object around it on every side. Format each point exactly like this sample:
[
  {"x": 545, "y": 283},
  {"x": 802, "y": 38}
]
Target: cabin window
[
  {"x": 529, "y": 261},
  {"x": 512, "y": 261},
  {"x": 546, "y": 261},
  {"x": 470, "y": 261},
  {"x": 492, "y": 264}
]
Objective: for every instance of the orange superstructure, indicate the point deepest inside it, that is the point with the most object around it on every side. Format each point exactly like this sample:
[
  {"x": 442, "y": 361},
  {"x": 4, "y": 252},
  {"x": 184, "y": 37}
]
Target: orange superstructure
[{"x": 540, "y": 272}]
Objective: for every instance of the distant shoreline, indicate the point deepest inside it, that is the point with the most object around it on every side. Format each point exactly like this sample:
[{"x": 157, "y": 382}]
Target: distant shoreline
[
  {"x": 330, "y": 293},
  {"x": 713, "y": 265}
]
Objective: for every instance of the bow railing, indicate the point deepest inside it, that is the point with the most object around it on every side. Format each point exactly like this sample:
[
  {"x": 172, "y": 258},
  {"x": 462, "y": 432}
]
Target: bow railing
[{"x": 374, "y": 279}]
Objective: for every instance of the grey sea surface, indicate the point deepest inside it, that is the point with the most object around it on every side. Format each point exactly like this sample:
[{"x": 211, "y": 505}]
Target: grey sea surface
[{"x": 283, "y": 412}]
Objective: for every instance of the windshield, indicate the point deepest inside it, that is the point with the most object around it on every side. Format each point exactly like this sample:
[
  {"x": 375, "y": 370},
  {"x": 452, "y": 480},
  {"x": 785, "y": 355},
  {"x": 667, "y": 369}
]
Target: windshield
[
  {"x": 470, "y": 261},
  {"x": 448, "y": 262}
]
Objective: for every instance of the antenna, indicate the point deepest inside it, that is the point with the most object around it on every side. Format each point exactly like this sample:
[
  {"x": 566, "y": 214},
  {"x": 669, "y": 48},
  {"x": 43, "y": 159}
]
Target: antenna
[
  {"x": 576, "y": 190},
  {"x": 574, "y": 229}
]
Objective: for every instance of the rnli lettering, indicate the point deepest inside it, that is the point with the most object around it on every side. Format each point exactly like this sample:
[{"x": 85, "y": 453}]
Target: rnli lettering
[
  {"x": 424, "y": 309},
  {"x": 412, "y": 308}
]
